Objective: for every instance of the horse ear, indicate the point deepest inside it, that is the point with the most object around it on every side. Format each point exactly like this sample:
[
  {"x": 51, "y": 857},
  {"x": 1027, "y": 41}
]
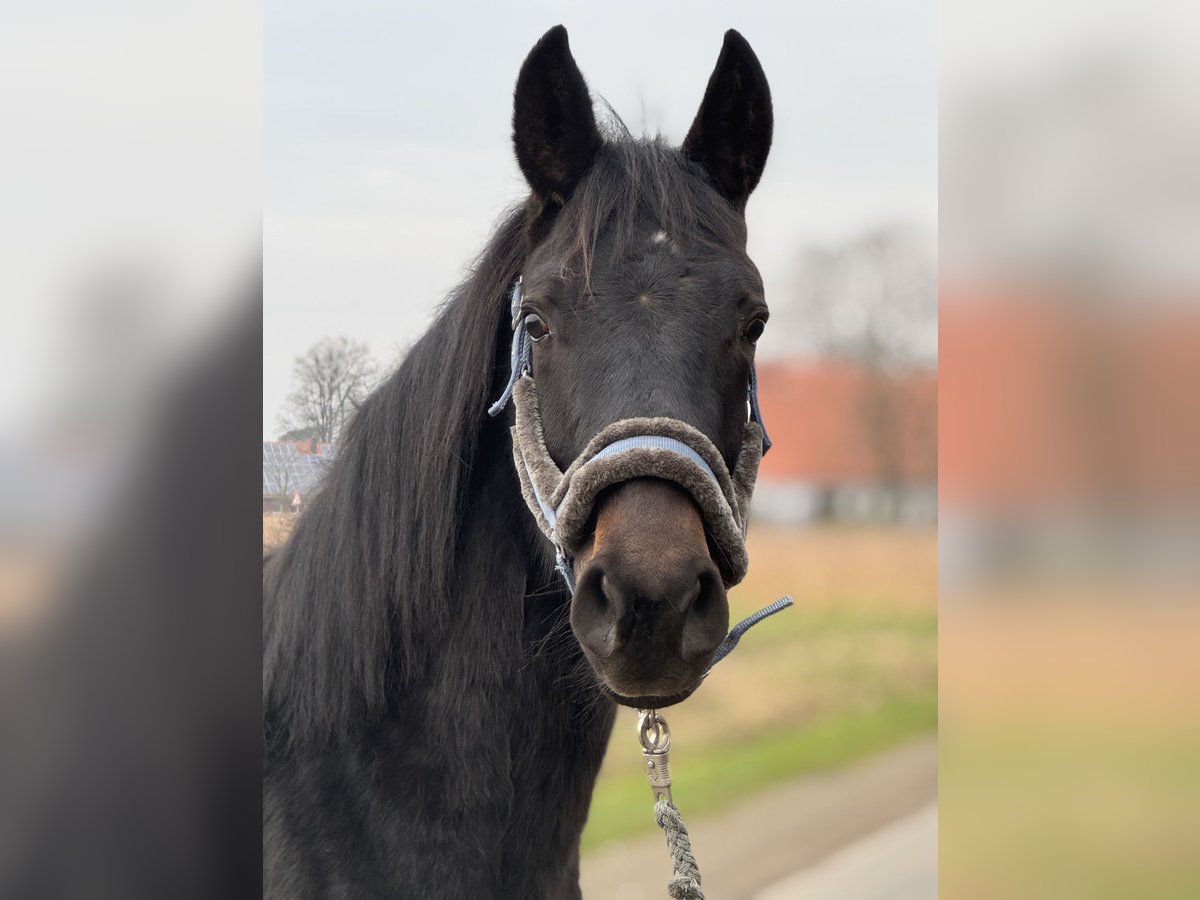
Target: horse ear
[
  {"x": 554, "y": 128},
  {"x": 731, "y": 135}
]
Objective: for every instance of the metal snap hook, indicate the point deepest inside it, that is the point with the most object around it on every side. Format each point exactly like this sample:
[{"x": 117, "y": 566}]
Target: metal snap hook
[
  {"x": 655, "y": 737},
  {"x": 653, "y": 731}
]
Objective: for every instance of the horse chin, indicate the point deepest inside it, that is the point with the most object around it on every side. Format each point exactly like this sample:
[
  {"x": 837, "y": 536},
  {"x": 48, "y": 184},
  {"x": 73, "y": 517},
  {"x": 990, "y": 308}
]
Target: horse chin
[{"x": 647, "y": 701}]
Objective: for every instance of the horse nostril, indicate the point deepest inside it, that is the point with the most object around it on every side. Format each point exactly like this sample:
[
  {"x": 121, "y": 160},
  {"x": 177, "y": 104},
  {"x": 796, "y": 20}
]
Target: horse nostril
[
  {"x": 593, "y": 613},
  {"x": 688, "y": 599},
  {"x": 606, "y": 594},
  {"x": 707, "y": 620}
]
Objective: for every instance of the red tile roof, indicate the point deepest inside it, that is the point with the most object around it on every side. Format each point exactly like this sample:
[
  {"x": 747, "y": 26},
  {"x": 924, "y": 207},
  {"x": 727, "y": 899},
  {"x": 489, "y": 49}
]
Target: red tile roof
[
  {"x": 1051, "y": 403},
  {"x": 834, "y": 422}
]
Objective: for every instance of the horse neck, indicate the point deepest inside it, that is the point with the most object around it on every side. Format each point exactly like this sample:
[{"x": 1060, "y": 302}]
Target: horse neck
[
  {"x": 510, "y": 636},
  {"x": 498, "y": 561}
]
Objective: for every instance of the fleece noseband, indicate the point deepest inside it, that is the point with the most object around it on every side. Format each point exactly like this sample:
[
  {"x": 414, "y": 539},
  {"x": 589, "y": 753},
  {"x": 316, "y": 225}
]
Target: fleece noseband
[{"x": 658, "y": 447}]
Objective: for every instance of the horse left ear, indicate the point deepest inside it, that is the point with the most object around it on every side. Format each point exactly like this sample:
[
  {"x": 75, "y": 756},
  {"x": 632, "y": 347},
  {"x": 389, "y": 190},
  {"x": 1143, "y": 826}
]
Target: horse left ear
[
  {"x": 554, "y": 128},
  {"x": 731, "y": 135}
]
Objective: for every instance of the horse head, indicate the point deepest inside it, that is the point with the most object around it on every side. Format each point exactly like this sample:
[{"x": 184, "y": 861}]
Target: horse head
[{"x": 639, "y": 302}]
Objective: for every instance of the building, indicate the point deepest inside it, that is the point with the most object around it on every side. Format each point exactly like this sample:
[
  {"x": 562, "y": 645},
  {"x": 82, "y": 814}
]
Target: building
[
  {"x": 850, "y": 444},
  {"x": 292, "y": 471}
]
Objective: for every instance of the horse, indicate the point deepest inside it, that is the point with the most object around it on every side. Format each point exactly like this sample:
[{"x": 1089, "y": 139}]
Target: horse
[{"x": 437, "y": 701}]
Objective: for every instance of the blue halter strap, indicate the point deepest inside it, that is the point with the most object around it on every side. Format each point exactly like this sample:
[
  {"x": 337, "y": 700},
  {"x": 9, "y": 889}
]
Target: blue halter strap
[
  {"x": 521, "y": 363},
  {"x": 521, "y": 358}
]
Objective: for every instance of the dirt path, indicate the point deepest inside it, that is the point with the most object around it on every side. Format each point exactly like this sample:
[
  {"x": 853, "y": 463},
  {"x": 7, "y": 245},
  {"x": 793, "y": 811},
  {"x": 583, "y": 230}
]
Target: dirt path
[
  {"x": 777, "y": 833},
  {"x": 898, "y": 862}
]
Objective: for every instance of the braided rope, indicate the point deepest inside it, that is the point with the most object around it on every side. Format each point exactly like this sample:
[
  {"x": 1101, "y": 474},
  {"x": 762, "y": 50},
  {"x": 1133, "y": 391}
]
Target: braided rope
[
  {"x": 655, "y": 737},
  {"x": 685, "y": 885}
]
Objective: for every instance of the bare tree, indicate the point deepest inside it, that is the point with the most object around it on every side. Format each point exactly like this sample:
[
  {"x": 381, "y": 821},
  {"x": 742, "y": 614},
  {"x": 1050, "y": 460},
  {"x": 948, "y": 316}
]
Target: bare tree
[
  {"x": 872, "y": 301},
  {"x": 331, "y": 380},
  {"x": 277, "y": 480}
]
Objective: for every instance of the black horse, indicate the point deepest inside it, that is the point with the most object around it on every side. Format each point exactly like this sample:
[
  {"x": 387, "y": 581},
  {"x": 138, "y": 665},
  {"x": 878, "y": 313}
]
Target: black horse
[{"x": 433, "y": 724}]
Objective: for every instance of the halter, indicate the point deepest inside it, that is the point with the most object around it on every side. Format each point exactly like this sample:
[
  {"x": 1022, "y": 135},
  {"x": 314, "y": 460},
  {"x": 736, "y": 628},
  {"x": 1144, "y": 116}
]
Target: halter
[
  {"x": 521, "y": 363},
  {"x": 562, "y": 502},
  {"x": 660, "y": 447}
]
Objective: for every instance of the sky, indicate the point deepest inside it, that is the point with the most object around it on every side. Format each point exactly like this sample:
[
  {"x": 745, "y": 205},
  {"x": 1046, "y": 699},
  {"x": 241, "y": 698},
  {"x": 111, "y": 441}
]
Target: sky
[
  {"x": 387, "y": 145},
  {"x": 131, "y": 151}
]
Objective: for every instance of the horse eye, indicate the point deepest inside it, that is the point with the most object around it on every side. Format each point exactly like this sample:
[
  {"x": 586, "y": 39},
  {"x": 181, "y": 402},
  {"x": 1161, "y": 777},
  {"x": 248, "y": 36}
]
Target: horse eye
[
  {"x": 535, "y": 327},
  {"x": 755, "y": 330}
]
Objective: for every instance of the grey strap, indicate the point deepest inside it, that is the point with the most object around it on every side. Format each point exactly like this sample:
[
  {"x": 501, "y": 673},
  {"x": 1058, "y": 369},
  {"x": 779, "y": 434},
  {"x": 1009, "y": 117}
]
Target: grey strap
[{"x": 735, "y": 633}]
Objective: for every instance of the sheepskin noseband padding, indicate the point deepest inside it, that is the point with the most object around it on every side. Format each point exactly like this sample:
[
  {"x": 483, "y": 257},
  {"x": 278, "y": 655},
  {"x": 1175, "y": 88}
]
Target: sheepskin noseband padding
[{"x": 657, "y": 447}]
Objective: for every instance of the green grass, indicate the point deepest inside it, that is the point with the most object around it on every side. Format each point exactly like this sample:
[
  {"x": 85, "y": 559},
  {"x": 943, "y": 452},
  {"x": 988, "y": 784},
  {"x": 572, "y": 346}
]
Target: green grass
[{"x": 713, "y": 777}]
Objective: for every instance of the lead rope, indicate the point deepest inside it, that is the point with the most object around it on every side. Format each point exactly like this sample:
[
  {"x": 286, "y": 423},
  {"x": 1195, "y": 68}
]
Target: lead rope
[{"x": 655, "y": 737}]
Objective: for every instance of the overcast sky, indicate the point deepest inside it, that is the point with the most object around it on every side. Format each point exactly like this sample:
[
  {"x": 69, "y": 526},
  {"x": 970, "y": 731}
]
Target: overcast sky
[{"x": 388, "y": 158}]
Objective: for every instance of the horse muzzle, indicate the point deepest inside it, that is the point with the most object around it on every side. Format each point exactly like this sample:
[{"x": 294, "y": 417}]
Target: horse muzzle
[
  {"x": 662, "y": 448},
  {"x": 649, "y": 527},
  {"x": 649, "y": 607}
]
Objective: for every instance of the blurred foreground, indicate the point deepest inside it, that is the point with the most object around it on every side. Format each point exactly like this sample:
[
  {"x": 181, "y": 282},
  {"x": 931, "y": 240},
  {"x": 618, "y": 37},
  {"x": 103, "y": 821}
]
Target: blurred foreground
[
  {"x": 1069, "y": 451},
  {"x": 130, "y": 750}
]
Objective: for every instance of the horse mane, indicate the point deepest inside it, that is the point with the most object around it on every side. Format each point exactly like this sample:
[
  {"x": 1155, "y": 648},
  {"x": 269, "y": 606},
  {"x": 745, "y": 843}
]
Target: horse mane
[
  {"x": 353, "y": 598},
  {"x": 370, "y": 557}
]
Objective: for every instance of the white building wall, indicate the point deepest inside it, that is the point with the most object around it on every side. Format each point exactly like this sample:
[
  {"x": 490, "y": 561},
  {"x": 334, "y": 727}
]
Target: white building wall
[{"x": 805, "y": 503}]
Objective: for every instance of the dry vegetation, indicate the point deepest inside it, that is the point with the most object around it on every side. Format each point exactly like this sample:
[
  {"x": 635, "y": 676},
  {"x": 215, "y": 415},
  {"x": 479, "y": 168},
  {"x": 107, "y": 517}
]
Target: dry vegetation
[{"x": 276, "y": 528}]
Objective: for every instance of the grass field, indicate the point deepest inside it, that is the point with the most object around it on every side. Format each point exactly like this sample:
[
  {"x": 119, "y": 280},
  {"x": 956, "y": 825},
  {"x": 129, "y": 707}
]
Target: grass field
[
  {"x": 1072, "y": 773},
  {"x": 850, "y": 670}
]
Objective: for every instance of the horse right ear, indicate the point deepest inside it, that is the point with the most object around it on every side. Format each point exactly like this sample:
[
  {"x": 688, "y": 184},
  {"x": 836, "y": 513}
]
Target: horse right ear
[
  {"x": 731, "y": 135},
  {"x": 554, "y": 128}
]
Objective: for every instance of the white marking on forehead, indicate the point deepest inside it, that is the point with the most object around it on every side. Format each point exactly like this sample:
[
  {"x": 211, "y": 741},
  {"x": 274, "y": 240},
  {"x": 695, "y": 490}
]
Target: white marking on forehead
[{"x": 659, "y": 237}]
